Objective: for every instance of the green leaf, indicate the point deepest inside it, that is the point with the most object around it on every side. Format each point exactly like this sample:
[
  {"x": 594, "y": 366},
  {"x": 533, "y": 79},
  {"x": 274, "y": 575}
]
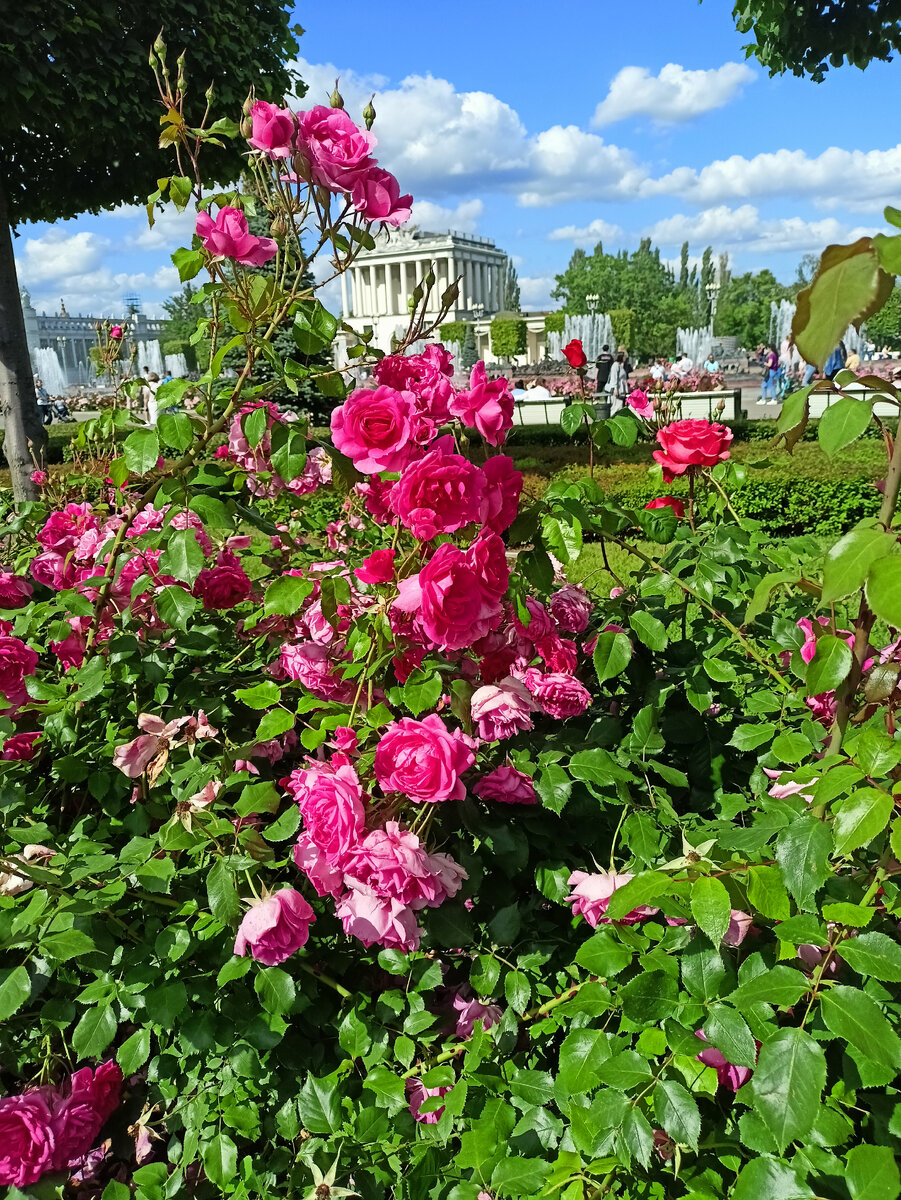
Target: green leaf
[
  {"x": 275, "y": 989},
  {"x": 649, "y": 630},
  {"x": 842, "y": 423},
  {"x": 187, "y": 262},
  {"x": 626, "y": 1070},
  {"x": 387, "y": 1087},
  {"x": 830, "y": 664},
  {"x": 261, "y": 695},
  {"x": 781, "y": 986},
  {"x": 422, "y": 690},
  {"x": 518, "y": 991},
  {"x": 274, "y": 723},
  {"x": 650, "y": 997},
  {"x": 94, "y": 1031},
  {"x": 314, "y": 327},
  {"x": 884, "y": 590},
  {"x": 860, "y": 817},
  {"x": 711, "y": 907},
  {"x": 787, "y": 1084},
  {"x": 611, "y": 656},
  {"x": 874, "y": 954},
  {"x": 165, "y": 1004},
  {"x": 791, "y": 423},
  {"x": 853, "y": 1015},
  {"x": 175, "y": 430},
  {"x": 603, "y": 955},
  {"x": 141, "y": 449},
  {"x": 677, "y": 1113},
  {"x": 642, "y": 889},
  {"x": 849, "y": 286},
  {"x": 554, "y": 787},
  {"x": 848, "y": 562},
  {"x": 320, "y": 1105},
  {"x": 222, "y": 892},
  {"x": 598, "y": 767},
  {"x": 535, "y": 1087},
  {"x": 68, "y": 943},
  {"x": 581, "y": 1055},
  {"x": 872, "y": 1173},
  {"x": 562, "y": 537},
  {"x": 749, "y": 737},
  {"x": 572, "y": 417},
  {"x": 285, "y": 595},
  {"x": 134, "y": 1051},
  {"x": 791, "y": 747},
  {"x": 14, "y": 991},
  {"x": 802, "y": 852},
  {"x": 728, "y": 1031},
  {"x": 175, "y": 606},
  {"x": 517, "y": 1176},
  {"x": 220, "y": 1160},
  {"x": 766, "y": 1179},
  {"x": 182, "y": 556}
]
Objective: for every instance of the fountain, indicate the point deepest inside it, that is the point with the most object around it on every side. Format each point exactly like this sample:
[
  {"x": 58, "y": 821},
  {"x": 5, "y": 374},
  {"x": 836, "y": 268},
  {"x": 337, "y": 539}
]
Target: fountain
[
  {"x": 47, "y": 365},
  {"x": 593, "y": 331},
  {"x": 176, "y": 366},
  {"x": 696, "y": 343},
  {"x": 151, "y": 357},
  {"x": 782, "y": 315}
]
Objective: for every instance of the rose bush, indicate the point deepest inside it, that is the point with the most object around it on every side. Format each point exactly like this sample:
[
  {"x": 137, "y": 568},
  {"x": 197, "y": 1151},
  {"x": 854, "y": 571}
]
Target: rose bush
[{"x": 348, "y": 846}]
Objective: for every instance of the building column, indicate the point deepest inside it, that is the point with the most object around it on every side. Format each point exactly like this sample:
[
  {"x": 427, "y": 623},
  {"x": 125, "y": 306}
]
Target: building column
[
  {"x": 345, "y": 313},
  {"x": 452, "y": 274},
  {"x": 501, "y": 275},
  {"x": 404, "y": 292},
  {"x": 468, "y": 297},
  {"x": 486, "y": 288}
]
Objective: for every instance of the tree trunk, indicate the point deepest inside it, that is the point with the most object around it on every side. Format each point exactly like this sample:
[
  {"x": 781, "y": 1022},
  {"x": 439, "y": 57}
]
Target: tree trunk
[{"x": 24, "y": 437}]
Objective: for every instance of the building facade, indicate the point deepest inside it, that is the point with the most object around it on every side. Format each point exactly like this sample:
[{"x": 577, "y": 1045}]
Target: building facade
[
  {"x": 71, "y": 338},
  {"x": 377, "y": 289}
]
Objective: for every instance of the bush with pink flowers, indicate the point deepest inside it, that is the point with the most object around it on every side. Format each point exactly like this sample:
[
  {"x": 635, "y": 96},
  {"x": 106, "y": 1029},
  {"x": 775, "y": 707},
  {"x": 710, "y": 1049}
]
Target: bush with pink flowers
[{"x": 350, "y": 846}]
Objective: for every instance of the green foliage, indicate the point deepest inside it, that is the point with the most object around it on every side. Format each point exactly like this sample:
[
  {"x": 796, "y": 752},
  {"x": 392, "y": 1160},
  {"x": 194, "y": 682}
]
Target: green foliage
[
  {"x": 511, "y": 289},
  {"x": 884, "y": 326},
  {"x": 809, "y": 37},
  {"x": 469, "y": 355},
  {"x": 623, "y": 322},
  {"x": 509, "y": 336},
  {"x": 743, "y": 306},
  {"x": 555, "y": 322},
  {"x": 453, "y": 331}
]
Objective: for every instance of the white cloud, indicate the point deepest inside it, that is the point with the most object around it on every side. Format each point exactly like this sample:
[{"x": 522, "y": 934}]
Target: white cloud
[
  {"x": 671, "y": 97},
  {"x": 170, "y": 229},
  {"x": 58, "y": 255},
  {"x": 745, "y": 228},
  {"x": 587, "y": 235},
  {"x": 535, "y": 292},
  {"x": 464, "y": 218},
  {"x": 856, "y": 179}
]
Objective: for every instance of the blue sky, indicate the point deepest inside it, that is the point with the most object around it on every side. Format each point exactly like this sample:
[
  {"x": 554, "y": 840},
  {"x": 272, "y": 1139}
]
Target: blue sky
[{"x": 547, "y": 127}]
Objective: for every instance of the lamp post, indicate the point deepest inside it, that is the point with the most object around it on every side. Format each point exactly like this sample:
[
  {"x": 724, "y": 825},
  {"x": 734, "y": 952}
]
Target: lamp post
[{"x": 593, "y": 299}]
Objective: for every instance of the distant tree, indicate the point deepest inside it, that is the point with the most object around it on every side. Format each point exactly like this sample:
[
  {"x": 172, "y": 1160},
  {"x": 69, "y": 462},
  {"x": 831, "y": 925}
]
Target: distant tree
[
  {"x": 884, "y": 327},
  {"x": 509, "y": 336},
  {"x": 743, "y": 308},
  {"x": 79, "y": 127},
  {"x": 683, "y": 266},
  {"x": 807, "y": 268},
  {"x": 807, "y": 37},
  {"x": 469, "y": 355},
  {"x": 182, "y": 316},
  {"x": 511, "y": 289}
]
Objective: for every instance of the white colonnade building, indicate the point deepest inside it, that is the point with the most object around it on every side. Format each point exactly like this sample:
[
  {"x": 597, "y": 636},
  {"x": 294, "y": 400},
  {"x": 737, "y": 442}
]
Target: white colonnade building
[{"x": 377, "y": 289}]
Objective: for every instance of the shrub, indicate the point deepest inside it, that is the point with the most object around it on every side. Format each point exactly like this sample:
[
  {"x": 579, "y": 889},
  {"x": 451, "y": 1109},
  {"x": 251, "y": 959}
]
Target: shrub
[
  {"x": 555, "y": 322},
  {"x": 453, "y": 332},
  {"x": 509, "y": 337}
]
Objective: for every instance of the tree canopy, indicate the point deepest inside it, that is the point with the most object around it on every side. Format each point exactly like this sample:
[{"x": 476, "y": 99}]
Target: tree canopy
[
  {"x": 79, "y": 117},
  {"x": 807, "y": 37}
]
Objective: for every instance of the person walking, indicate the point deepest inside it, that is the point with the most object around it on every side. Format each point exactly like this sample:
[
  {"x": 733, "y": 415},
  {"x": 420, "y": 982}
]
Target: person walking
[
  {"x": 149, "y": 393},
  {"x": 603, "y": 363},
  {"x": 617, "y": 387},
  {"x": 770, "y": 380},
  {"x": 835, "y": 361}
]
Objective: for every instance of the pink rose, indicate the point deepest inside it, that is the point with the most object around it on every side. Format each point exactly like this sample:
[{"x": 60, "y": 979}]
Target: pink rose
[
  {"x": 393, "y": 862},
  {"x": 15, "y": 590},
  {"x": 540, "y": 624},
  {"x": 376, "y": 495},
  {"x": 640, "y": 404},
  {"x": 330, "y": 800},
  {"x": 344, "y": 739},
  {"x": 116, "y": 333},
  {"x": 487, "y": 406},
  {"x": 727, "y": 1074},
  {"x": 312, "y": 665},
  {"x": 507, "y": 785},
  {"x": 559, "y": 655},
  {"x": 571, "y": 608},
  {"x": 377, "y": 196},
  {"x": 375, "y": 429},
  {"x": 79, "y": 1114},
  {"x": 275, "y": 927},
  {"x": 17, "y": 662},
  {"x": 273, "y": 130},
  {"x": 470, "y": 1009},
  {"x": 558, "y": 694},
  {"x": 27, "y": 1144},
  {"x": 375, "y": 919},
  {"x": 19, "y": 747},
  {"x": 326, "y": 876},
  {"x": 591, "y": 896},
  {"x": 427, "y": 375},
  {"x": 691, "y": 444},
  {"x": 423, "y": 760},
  {"x": 229, "y": 237},
  {"x": 224, "y": 585},
  {"x": 377, "y": 568},
  {"x": 439, "y": 493},
  {"x": 417, "y": 1094},
  {"x": 502, "y": 710},
  {"x": 456, "y": 595},
  {"x": 503, "y": 488},
  {"x": 337, "y": 151},
  {"x": 39, "y": 477},
  {"x": 63, "y": 530},
  {"x": 739, "y": 924},
  {"x": 71, "y": 651}
]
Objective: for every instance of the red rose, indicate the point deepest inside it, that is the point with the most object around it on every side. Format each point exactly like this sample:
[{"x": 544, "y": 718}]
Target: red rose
[
  {"x": 668, "y": 502},
  {"x": 686, "y": 444},
  {"x": 574, "y": 354}
]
